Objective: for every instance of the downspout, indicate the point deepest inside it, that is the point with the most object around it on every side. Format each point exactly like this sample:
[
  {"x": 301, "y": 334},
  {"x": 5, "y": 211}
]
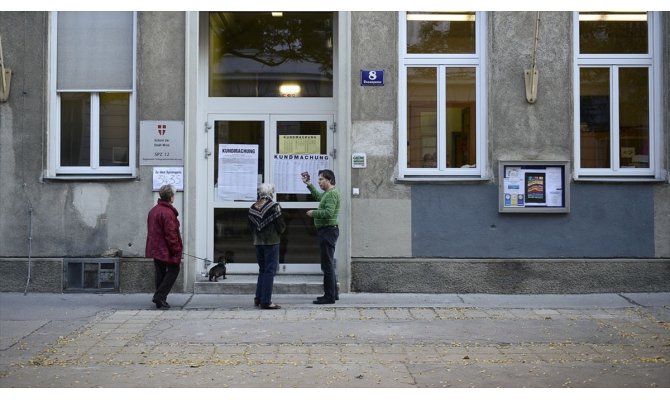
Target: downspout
[{"x": 30, "y": 249}]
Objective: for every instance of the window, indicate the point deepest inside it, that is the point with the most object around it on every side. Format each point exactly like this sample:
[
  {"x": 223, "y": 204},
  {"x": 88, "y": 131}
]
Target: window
[
  {"x": 271, "y": 54},
  {"x": 92, "y": 94},
  {"x": 441, "y": 95},
  {"x": 617, "y": 95}
]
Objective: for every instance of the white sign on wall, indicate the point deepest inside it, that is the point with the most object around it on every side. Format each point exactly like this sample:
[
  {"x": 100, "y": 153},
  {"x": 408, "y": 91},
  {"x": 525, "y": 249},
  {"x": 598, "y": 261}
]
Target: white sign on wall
[
  {"x": 168, "y": 176},
  {"x": 161, "y": 142}
]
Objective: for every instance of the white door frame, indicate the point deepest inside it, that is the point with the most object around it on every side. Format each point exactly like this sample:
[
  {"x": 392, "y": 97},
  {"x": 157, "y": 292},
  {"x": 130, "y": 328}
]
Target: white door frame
[{"x": 270, "y": 138}]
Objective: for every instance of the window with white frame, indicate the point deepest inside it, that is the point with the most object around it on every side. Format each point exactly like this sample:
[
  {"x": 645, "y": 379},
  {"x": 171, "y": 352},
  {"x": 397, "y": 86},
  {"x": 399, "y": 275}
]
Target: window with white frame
[
  {"x": 617, "y": 95},
  {"x": 441, "y": 95},
  {"x": 92, "y": 89}
]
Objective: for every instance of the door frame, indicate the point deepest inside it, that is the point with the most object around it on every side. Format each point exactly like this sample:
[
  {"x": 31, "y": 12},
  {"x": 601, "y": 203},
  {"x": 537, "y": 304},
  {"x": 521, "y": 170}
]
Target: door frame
[
  {"x": 270, "y": 138},
  {"x": 197, "y": 108}
]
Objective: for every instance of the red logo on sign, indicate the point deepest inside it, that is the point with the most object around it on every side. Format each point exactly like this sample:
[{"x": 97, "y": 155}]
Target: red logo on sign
[{"x": 161, "y": 129}]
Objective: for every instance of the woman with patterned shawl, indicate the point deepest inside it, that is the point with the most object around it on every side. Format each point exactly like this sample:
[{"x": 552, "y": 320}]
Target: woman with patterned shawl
[{"x": 266, "y": 224}]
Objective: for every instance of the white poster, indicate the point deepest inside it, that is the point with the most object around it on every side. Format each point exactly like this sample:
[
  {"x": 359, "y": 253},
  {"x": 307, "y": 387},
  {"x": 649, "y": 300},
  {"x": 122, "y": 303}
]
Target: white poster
[
  {"x": 238, "y": 171},
  {"x": 288, "y": 167},
  {"x": 554, "y": 187},
  {"x": 168, "y": 176}
]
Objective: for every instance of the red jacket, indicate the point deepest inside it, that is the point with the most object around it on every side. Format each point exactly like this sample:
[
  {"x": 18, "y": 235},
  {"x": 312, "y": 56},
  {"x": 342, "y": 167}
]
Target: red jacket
[{"x": 163, "y": 237}]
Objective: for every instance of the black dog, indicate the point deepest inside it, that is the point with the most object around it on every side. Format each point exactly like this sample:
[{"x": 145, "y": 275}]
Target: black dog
[{"x": 218, "y": 270}]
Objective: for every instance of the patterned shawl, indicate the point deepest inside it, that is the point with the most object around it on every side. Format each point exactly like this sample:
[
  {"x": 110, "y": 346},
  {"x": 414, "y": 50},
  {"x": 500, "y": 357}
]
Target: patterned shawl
[{"x": 263, "y": 212}]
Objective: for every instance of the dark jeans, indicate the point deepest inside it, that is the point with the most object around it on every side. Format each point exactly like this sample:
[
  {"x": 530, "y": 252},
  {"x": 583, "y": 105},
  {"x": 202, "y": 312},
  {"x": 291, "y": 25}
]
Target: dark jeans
[
  {"x": 166, "y": 275},
  {"x": 327, "y": 240},
  {"x": 268, "y": 262}
]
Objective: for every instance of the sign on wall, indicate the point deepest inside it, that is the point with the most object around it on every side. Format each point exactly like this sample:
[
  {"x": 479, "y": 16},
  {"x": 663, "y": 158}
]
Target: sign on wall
[
  {"x": 161, "y": 142},
  {"x": 373, "y": 77},
  {"x": 168, "y": 176},
  {"x": 534, "y": 186}
]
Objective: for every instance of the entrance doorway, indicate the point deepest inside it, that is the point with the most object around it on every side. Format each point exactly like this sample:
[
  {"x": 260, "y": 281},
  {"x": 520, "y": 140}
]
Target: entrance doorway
[{"x": 249, "y": 149}]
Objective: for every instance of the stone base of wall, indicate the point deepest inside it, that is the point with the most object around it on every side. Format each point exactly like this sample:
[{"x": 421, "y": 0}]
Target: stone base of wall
[
  {"x": 518, "y": 276},
  {"x": 524, "y": 276},
  {"x": 136, "y": 275}
]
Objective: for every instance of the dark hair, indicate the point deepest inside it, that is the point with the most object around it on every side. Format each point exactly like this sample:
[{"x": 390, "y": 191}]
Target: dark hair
[{"x": 328, "y": 174}]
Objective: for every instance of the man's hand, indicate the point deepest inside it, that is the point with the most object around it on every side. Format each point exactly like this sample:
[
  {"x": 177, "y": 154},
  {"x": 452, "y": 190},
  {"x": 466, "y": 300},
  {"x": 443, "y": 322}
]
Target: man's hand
[{"x": 305, "y": 178}]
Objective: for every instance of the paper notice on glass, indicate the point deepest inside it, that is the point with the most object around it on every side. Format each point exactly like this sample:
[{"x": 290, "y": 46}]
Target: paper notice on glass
[
  {"x": 299, "y": 144},
  {"x": 287, "y": 169},
  {"x": 238, "y": 171},
  {"x": 513, "y": 181},
  {"x": 554, "y": 187}
]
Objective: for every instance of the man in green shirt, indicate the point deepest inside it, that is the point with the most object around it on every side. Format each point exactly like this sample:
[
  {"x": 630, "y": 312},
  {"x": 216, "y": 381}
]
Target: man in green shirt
[{"x": 325, "y": 220}]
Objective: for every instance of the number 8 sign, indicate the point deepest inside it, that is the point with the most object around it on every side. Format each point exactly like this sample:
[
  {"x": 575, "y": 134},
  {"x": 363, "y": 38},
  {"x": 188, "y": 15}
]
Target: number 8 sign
[{"x": 372, "y": 77}]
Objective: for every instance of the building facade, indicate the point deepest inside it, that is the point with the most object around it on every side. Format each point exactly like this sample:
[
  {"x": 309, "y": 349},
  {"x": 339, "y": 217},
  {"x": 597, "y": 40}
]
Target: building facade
[{"x": 490, "y": 152}]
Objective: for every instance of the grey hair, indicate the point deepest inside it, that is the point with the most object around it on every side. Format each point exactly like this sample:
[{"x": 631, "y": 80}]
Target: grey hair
[
  {"x": 266, "y": 189},
  {"x": 166, "y": 192}
]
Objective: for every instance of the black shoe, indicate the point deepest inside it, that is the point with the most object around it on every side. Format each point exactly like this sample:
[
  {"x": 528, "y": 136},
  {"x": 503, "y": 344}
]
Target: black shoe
[
  {"x": 162, "y": 303},
  {"x": 272, "y": 306},
  {"x": 323, "y": 300},
  {"x": 158, "y": 303},
  {"x": 257, "y": 301}
]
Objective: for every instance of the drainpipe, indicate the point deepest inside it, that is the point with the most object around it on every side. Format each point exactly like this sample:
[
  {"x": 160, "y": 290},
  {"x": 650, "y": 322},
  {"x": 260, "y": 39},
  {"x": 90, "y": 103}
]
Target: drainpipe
[{"x": 30, "y": 251}]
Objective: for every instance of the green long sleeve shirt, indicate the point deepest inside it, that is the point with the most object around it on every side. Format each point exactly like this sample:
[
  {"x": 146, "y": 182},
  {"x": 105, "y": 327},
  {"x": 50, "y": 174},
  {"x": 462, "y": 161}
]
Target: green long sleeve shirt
[{"x": 329, "y": 206}]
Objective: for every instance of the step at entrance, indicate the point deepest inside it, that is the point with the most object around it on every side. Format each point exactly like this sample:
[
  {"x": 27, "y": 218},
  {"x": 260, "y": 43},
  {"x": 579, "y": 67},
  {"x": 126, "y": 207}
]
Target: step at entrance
[{"x": 246, "y": 284}]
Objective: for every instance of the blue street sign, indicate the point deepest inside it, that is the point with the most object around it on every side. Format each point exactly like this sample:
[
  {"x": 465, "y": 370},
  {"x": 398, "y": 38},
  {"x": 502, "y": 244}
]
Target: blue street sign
[{"x": 372, "y": 77}]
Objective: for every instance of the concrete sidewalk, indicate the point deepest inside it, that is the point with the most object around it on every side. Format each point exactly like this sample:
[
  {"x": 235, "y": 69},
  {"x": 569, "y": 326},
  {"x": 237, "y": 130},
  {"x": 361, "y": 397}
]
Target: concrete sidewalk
[{"x": 365, "y": 340}]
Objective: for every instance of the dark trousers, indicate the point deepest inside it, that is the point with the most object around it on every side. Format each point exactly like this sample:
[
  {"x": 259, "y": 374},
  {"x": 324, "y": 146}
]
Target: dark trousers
[
  {"x": 166, "y": 275},
  {"x": 268, "y": 262},
  {"x": 327, "y": 240}
]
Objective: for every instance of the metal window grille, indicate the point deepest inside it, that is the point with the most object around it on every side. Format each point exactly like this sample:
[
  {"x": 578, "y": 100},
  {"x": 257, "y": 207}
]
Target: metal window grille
[{"x": 91, "y": 274}]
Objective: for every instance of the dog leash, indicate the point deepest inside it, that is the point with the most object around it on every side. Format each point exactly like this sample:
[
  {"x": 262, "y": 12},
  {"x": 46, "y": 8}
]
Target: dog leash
[{"x": 199, "y": 258}]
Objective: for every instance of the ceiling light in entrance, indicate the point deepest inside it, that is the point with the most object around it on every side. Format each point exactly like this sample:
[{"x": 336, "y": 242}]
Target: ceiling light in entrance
[{"x": 289, "y": 90}]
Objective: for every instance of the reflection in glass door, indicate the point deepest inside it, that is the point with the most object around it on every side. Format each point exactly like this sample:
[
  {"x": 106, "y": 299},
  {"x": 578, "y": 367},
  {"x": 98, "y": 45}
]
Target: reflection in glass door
[{"x": 295, "y": 139}]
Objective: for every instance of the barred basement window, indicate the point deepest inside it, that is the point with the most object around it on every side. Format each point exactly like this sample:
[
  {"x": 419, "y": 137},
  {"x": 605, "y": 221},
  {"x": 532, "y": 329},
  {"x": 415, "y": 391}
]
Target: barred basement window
[{"x": 91, "y": 274}]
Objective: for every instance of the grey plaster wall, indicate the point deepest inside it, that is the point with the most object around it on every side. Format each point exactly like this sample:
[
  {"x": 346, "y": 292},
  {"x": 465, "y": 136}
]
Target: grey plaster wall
[
  {"x": 519, "y": 130},
  {"x": 77, "y": 218},
  {"x": 161, "y": 65},
  {"x": 374, "y": 109},
  {"x": 662, "y": 220},
  {"x": 22, "y": 129},
  {"x": 381, "y": 213},
  {"x": 381, "y": 228},
  {"x": 462, "y": 221},
  {"x": 662, "y": 193}
]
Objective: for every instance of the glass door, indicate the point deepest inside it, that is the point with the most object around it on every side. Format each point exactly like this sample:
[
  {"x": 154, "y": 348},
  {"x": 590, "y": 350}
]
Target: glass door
[{"x": 247, "y": 150}]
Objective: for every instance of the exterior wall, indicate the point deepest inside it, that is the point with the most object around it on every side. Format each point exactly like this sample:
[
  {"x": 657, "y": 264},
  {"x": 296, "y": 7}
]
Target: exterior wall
[
  {"x": 614, "y": 238},
  {"x": 404, "y": 237},
  {"x": 77, "y": 218},
  {"x": 374, "y": 132}
]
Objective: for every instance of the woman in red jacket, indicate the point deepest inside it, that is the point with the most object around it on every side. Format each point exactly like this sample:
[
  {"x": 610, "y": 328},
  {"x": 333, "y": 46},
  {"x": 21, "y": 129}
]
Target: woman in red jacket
[{"x": 164, "y": 244}]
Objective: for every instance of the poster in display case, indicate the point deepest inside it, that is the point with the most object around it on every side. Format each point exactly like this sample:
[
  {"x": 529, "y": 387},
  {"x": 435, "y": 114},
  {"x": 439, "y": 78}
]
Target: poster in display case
[{"x": 534, "y": 186}]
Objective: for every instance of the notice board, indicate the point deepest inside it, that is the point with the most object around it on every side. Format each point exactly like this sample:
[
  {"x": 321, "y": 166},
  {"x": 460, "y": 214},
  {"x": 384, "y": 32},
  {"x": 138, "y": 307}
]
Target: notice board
[{"x": 534, "y": 186}]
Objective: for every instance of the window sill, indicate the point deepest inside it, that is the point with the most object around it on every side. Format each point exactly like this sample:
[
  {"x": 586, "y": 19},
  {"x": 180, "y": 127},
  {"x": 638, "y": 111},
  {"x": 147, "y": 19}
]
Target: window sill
[
  {"x": 81, "y": 177},
  {"x": 621, "y": 179},
  {"x": 440, "y": 179}
]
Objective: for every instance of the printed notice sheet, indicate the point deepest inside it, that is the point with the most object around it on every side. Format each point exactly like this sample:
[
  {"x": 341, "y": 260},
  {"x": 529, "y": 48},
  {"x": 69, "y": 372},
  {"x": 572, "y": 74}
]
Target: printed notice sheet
[
  {"x": 299, "y": 144},
  {"x": 238, "y": 171},
  {"x": 287, "y": 169}
]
